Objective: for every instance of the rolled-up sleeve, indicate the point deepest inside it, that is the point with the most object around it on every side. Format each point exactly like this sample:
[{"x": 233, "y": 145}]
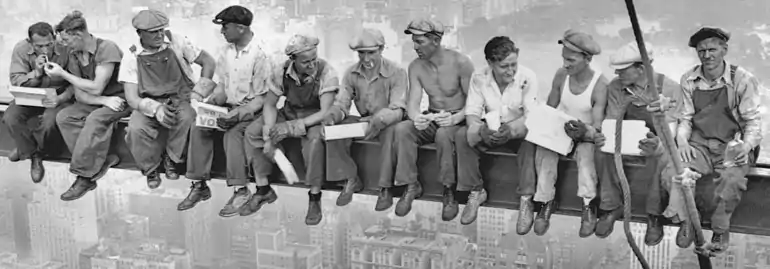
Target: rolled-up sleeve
[
  {"x": 749, "y": 104},
  {"x": 343, "y": 99},
  {"x": 330, "y": 82},
  {"x": 398, "y": 88},
  {"x": 190, "y": 51},
  {"x": 673, "y": 90},
  {"x": 21, "y": 69},
  {"x": 128, "y": 69},
  {"x": 474, "y": 104},
  {"x": 687, "y": 110}
]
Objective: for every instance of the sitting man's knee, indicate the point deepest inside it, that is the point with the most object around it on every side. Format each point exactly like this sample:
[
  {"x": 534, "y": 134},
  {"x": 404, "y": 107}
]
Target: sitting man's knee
[
  {"x": 253, "y": 133},
  {"x": 445, "y": 135},
  {"x": 12, "y": 119},
  {"x": 403, "y": 127}
]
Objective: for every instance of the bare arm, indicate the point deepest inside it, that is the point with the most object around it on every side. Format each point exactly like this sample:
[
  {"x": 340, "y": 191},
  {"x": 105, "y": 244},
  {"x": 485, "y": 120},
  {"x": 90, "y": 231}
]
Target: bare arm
[
  {"x": 93, "y": 87},
  {"x": 327, "y": 99},
  {"x": 269, "y": 110},
  {"x": 466, "y": 72},
  {"x": 208, "y": 64},
  {"x": 132, "y": 94},
  {"x": 554, "y": 97},
  {"x": 599, "y": 102},
  {"x": 415, "y": 91},
  {"x": 87, "y": 98}
]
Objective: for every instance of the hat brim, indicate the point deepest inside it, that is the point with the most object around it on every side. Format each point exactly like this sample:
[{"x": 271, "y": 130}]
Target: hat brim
[
  {"x": 366, "y": 48},
  {"x": 161, "y": 27},
  {"x": 219, "y": 21},
  {"x": 621, "y": 66},
  {"x": 412, "y": 31},
  {"x": 571, "y": 46},
  {"x": 703, "y": 35}
]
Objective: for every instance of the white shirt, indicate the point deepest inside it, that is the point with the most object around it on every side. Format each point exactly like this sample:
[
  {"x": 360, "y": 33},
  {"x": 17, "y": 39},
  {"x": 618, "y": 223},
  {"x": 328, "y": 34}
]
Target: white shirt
[
  {"x": 244, "y": 74},
  {"x": 484, "y": 96}
]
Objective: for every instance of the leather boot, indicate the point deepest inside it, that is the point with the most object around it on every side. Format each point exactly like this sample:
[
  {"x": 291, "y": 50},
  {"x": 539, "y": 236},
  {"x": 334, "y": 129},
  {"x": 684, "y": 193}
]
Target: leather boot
[
  {"x": 654, "y": 233},
  {"x": 526, "y": 215},
  {"x": 543, "y": 219},
  {"x": 606, "y": 222},
  {"x": 199, "y": 191},
  {"x": 449, "y": 208},
  {"x": 153, "y": 180},
  {"x": 720, "y": 242},
  {"x": 14, "y": 156},
  {"x": 240, "y": 196},
  {"x": 588, "y": 221},
  {"x": 170, "y": 167},
  {"x": 384, "y": 200},
  {"x": 314, "y": 210},
  {"x": 264, "y": 195},
  {"x": 37, "y": 170},
  {"x": 404, "y": 204},
  {"x": 79, "y": 188},
  {"x": 352, "y": 186},
  {"x": 686, "y": 234},
  {"x": 471, "y": 210}
]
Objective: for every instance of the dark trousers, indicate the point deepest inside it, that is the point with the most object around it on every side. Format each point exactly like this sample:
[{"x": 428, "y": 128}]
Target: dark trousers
[
  {"x": 87, "y": 131},
  {"x": 313, "y": 152},
  {"x": 341, "y": 166},
  {"x": 31, "y": 140},
  {"x": 609, "y": 183},
  {"x": 407, "y": 140},
  {"x": 201, "y": 153},
  {"x": 148, "y": 140},
  {"x": 468, "y": 166},
  {"x": 525, "y": 159}
]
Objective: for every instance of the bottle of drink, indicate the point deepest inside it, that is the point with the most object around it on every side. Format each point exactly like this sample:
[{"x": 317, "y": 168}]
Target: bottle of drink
[{"x": 732, "y": 150}]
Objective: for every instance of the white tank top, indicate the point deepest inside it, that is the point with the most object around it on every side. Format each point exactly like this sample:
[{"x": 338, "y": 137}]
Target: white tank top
[{"x": 578, "y": 106}]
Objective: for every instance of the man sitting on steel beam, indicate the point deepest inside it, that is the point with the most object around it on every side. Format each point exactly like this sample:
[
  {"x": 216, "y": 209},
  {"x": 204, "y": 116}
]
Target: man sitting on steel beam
[
  {"x": 243, "y": 71},
  {"x": 444, "y": 75},
  {"x": 309, "y": 85},
  {"x": 378, "y": 87},
  {"x": 158, "y": 79},
  {"x": 503, "y": 90},
  {"x": 581, "y": 92},
  {"x": 721, "y": 126},
  {"x": 28, "y": 70},
  {"x": 87, "y": 125}
]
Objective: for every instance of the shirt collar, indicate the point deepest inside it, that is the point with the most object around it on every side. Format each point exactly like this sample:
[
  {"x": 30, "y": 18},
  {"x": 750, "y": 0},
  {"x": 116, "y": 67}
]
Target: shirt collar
[
  {"x": 491, "y": 78},
  {"x": 387, "y": 69},
  {"x": 247, "y": 48},
  {"x": 290, "y": 72},
  {"x": 166, "y": 44},
  {"x": 697, "y": 74}
]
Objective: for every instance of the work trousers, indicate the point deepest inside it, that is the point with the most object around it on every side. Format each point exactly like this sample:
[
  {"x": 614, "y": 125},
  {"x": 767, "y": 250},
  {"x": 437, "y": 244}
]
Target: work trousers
[
  {"x": 147, "y": 139},
  {"x": 609, "y": 183},
  {"x": 313, "y": 152},
  {"x": 201, "y": 153},
  {"x": 547, "y": 165},
  {"x": 469, "y": 176},
  {"x": 341, "y": 166},
  {"x": 87, "y": 131},
  {"x": 31, "y": 140},
  {"x": 406, "y": 142}
]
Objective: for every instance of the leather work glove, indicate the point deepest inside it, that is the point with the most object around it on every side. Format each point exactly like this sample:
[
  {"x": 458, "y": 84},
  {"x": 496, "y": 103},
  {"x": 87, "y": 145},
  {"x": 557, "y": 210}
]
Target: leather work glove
[
  {"x": 576, "y": 130},
  {"x": 228, "y": 121},
  {"x": 502, "y": 136},
  {"x": 651, "y": 145},
  {"x": 375, "y": 126},
  {"x": 474, "y": 136},
  {"x": 293, "y": 128},
  {"x": 328, "y": 119},
  {"x": 166, "y": 116}
]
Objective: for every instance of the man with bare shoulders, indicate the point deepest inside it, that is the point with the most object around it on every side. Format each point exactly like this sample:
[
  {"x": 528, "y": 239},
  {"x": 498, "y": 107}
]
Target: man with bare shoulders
[
  {"x": 580, "y": 92},
  {"x": 445, "y": 76}
]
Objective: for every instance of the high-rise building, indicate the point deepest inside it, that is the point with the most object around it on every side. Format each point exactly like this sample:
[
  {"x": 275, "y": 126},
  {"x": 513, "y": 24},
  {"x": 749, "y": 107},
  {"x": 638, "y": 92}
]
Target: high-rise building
[
  {"x": 198, "y": 229},
  {"x": 331, "y": 235},
  {"x": 273, "y": 252},
  {"x": 111, "y": 254},
  {"x": 159, "y": 206}
]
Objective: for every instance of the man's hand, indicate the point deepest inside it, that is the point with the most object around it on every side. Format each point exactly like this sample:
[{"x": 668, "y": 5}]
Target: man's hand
[
  {"x": 576, "y": 130},
  {"x": 502, "y": 136},
  {"x": 662, "y": 104},
  {"x": 375, "y": 126},
  {"x": 599, "y": 139},
  {"x": 53, "y": 69},
  {"x": 743, "y": 155},
  {"x": 269, "y": 150},
  {"x": 686, "y": 152},
  {"x": 228, "y": 121},
  {"x": 445, "y": 119},
  {"x": 51, "y": 102},
  {"x": 649, "y": 145},
  {"x": 423, "y": 121},
  {"x": 166, "y": 116},
  {"x": 328, "y": 120},
  {"x": 115, "y": 103},
  {"x": 196, "y": 96},
  {"x": 40, "y": 64},
  {"x": 293, "y": 128}
]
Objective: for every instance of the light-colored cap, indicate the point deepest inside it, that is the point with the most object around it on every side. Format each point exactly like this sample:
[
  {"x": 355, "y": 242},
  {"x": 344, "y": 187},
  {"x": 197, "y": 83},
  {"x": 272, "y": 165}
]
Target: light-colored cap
[{"x": 629, "y": 54}]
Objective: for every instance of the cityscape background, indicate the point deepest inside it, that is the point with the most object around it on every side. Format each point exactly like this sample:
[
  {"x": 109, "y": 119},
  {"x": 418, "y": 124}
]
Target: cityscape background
[{"x": 124, "y": 225}]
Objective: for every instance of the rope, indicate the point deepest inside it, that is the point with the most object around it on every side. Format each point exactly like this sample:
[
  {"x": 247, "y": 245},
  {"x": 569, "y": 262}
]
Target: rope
[{"x": 626, "y": 191}]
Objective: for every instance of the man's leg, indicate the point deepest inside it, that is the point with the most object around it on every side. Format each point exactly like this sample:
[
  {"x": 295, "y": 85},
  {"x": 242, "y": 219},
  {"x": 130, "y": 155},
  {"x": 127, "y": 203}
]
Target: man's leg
[
  {"x": 340, "y": 166},
  {"x": 16, "y": 118},
  {"x": 261, "y": 166},
  {"x": 468, "y": 179},
  {"x": 178, "y": 136},
  {"x": 90, "y": 160},
  {"x": 199, "y": 160},
  {"x": 546, "y": 167},
  {"x": 47, "y": 129},
  {"x": 731, "y": 184},
  {"x": 407, "y": 141},
  {"x": 610, "y": 205},
  {"x": 313, "y": 153},
  {"x": 587, "y": 184},
  {"x": 237, "y": 168},
  {"x": 146, "y": 146},
  {"x": 527, "y": 185}
]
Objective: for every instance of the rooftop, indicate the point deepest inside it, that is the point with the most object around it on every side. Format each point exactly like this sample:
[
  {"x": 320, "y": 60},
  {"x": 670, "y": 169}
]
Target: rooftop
[{"x": 155, "y": 250}]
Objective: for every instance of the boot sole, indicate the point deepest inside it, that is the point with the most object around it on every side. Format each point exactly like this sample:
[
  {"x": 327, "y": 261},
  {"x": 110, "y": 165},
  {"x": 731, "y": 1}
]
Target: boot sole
[
  {"x": 93, "y": 187},
  {"x": 351, "y": 196},
  {"x": 259, "y": 206},
  {"x": 204, "y": 198}
]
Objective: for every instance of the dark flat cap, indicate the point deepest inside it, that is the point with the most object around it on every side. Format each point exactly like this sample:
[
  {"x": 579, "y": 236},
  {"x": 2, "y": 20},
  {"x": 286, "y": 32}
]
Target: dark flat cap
[
  {"x": 706, "y": 33},
  {"x": 580, "y": 42},
  {"x": 425, "y": 26},
  {"x": 234, "y": 14}
]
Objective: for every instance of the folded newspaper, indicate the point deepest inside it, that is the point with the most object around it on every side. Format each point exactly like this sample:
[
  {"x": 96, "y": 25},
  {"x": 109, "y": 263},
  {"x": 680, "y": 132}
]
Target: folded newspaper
[
  {"x": 545, "y": 128},
  {"x": 207, "y": 114},
  {"x": 633, "y": 131}
]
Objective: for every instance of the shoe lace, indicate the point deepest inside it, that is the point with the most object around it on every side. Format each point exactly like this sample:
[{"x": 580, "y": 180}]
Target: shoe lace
[{"x": 474, "y": 197}]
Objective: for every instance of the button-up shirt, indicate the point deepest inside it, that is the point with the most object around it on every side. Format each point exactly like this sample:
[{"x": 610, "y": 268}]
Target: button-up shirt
[
  {"x": 184, "y": 50},
  {"x": 484, "y": 96},
  {"x": 243, "y": 74},
  {"x": 330, "y": 81},
  {"x": 385, "y": 90},
  {"x": 23, "y": 65},
  {"x": 618, "y": 96},
  {"x": 743, "y": 97}
]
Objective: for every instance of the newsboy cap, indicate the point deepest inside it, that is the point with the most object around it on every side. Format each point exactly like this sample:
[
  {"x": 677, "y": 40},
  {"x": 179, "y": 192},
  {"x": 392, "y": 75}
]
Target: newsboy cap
[
  {"x": 301, "y": 43},
  {"x": 366, "y": 40},
  {"x": 580, "y": 42},
  {"x": 706, "y": 33},
  {"x": 629, "y": 55},
  {"x": 425, "y": 26},
  {"x": 150, "y": 20},
  {"x": 234, "y": 14}
]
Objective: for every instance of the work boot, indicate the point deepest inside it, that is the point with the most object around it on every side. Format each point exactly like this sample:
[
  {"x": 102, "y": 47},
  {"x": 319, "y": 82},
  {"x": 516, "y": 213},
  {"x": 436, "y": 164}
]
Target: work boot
[
  {"x": 170, "y": 167},
  {"x": 543, "y": 220},
  {"x": 685, "y": 235},
  {"x": 654, "y": 233},
  {"x": 450, "y": 208},
  {"x": 37, "y": 170},
  {"x": 314, "y": 211},
  {"x": 720, "y": 242},
  {"x": 153, "y": 180},
  {"x": 80, "y": 187},
  {"x": 263, "y": 195},
  {"x": 14, "y": 156},
  {"x": 526, "y": 214},
  {"x": 384, "y": 200},
  {"x": 404, "y": 205},
  {"x": 471, "y": 210},
  {"x": 607, "y": 222},
  {"x": 240, "y": 196},
  {"x": 351, "y": 186},
  {"x": 199, "y": 191},
  {"x": 587, "y": 221}
]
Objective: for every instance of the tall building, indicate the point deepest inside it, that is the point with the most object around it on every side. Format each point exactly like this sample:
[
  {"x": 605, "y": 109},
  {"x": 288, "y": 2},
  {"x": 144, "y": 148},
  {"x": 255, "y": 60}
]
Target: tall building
[
  {"x": 659, "y": 256},
  {"x": 491, "y": 224},
  {"x": 159, "y": 206},
  {"x": 332, "y": 236},
  {"x": 198, "y": 227},
  {"x": 111, "y": 254},
  {"x": 273, "y": 252},
  {"x": 60, "y": 230},
  {"x": 125, "y": 227},
  {"x": 6, "y": 222}
]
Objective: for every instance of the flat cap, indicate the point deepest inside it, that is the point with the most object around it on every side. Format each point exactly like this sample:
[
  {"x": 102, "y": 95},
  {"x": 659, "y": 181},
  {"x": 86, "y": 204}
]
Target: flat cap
[
  {"x": 580, "y": 42},
  {"x": 234, "y": 14},
  {"x": 425, "y": 26},
  {"x": 150, "y": 20},
  {"x": 368, "y": 39},
  {"x": 628, "y": 55},
  {"x": 708, "y": 32},
  {"x": 301, "y": 43}
]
